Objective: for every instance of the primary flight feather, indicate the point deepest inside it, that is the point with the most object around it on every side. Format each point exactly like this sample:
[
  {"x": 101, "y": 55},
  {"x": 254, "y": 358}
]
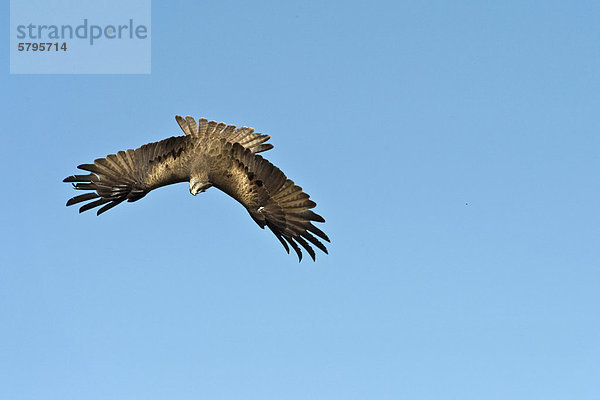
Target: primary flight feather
[{"x": 210, "y": 154}]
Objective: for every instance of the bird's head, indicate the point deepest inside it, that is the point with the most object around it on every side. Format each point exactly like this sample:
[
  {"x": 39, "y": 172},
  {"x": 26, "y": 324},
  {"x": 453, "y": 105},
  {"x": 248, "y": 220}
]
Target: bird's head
[{"x": 197, "y": 186}]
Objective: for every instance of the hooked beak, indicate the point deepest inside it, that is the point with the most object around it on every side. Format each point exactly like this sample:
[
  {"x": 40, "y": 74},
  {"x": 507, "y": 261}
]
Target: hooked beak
[{"x": 198, "y": 187}]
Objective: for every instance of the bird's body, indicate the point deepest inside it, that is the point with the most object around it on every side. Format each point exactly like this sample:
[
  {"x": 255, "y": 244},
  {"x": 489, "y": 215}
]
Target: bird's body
[{"x": 210, "y": 154}]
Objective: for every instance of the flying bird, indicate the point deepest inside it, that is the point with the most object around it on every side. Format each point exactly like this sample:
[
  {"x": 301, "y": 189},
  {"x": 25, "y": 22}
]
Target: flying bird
[{"x": 209, "y": 154}]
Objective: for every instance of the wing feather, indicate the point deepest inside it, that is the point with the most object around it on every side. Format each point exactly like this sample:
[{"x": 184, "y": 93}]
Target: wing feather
[
  {"x": 82, "y": 197},
  {"x": 290, "y": 240},
  {"x": 271, "y": 199},
  {"x": 93, "y": 204},
  {"x": 130, "y": 175}
]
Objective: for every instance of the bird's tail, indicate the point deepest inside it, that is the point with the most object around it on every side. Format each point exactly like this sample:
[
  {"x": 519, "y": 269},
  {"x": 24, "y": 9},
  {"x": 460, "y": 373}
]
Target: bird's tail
[{"x": 245, "y": 136}]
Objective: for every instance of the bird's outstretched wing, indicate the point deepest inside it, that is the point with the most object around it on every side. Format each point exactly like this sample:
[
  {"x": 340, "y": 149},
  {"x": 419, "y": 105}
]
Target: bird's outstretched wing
[
  {"x": 211, "y": 130},
  {"x": 271, "y": 199},
  {"x": 130, "y": 175}
]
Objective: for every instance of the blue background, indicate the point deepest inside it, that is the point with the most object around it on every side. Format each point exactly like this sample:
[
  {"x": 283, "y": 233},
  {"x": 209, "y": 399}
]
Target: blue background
[{"x": 453, "y": 148}]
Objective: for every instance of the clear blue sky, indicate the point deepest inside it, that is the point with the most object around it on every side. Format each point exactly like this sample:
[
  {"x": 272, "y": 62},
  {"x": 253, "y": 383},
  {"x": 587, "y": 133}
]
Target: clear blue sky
[{"x": 453, "y": 147}]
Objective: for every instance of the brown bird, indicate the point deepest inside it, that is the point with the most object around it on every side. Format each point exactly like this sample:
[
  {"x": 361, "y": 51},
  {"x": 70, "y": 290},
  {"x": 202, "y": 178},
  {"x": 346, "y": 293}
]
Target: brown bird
[{"x": 210, "y": 154}]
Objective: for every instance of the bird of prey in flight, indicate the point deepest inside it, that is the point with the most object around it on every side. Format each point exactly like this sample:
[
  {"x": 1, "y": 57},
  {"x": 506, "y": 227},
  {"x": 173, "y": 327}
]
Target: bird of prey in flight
[{"x": 210, "y": 154}]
